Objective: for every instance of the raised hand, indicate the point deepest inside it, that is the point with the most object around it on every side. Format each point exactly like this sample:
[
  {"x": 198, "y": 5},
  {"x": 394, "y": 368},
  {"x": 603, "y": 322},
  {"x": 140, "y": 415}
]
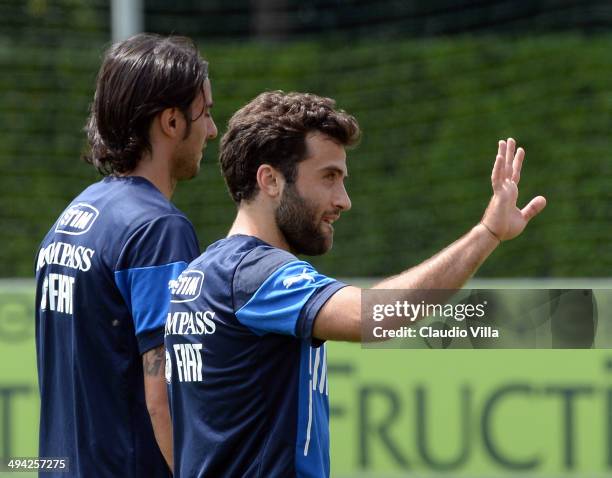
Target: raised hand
[{"x": 503, "y": 218}]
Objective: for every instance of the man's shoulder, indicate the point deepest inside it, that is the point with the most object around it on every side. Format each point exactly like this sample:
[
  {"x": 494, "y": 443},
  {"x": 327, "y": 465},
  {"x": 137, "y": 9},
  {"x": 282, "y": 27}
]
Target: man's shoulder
[
  {"x": 122, "y": 219},
  {"x": 241, "y": 261},
  {"x": 126, "y": 205},
  {"x": 133, "y": 198},
  {"x": 241, "y": 254},
  {"x": 252, "y": 264}
]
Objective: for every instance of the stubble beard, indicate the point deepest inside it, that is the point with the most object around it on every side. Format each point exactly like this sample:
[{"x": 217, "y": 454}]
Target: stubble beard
[{"x": 187, "y": 166}]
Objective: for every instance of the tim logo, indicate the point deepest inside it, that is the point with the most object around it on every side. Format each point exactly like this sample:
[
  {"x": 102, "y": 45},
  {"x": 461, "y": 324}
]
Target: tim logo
[
  {"x": 77, "y": 220},
  {"x": 304, "y": 275},
  {"x": 186, "y": 287}
]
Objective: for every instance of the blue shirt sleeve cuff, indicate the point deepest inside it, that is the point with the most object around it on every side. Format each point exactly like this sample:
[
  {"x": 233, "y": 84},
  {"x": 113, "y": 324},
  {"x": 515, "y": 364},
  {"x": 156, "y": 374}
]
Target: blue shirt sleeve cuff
[
  {"x": 310, "y": 310},
  {"x": 150, "y": 339}
]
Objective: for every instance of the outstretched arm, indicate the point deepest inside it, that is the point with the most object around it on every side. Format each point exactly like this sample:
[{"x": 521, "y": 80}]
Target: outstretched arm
[
  {"x": 156, "y": 396},
  {"x": 340, "y": 317}
]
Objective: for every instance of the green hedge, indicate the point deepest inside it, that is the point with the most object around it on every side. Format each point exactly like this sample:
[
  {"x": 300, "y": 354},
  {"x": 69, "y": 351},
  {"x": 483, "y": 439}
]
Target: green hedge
[{"x": 431, "y": 111}]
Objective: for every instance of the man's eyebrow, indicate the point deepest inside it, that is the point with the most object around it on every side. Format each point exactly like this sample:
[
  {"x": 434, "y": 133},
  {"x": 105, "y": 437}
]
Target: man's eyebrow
[{"x": 335, "y": 169}]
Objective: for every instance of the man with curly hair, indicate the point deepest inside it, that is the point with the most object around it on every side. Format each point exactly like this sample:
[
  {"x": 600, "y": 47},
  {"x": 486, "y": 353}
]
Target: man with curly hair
[{"x": 246, "y": 358}]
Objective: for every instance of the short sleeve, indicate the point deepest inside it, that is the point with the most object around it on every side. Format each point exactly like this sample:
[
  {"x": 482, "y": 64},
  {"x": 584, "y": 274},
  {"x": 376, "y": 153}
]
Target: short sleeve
[
  {"x": 152, "y": 257},
  {"x": 286, "y": 300}
]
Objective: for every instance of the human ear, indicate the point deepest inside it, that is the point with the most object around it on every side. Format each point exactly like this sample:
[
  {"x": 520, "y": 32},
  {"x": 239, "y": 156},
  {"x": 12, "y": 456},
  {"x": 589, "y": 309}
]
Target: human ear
[
  {"x": 171, "y": 122},
  {"x": 270, "y": 181}
]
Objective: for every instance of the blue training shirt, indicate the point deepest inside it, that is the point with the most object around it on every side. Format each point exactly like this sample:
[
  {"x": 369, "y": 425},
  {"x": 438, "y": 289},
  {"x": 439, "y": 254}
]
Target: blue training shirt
[
  {"x": 248, "y": 383},
  {"x": 102, "y": 275}
]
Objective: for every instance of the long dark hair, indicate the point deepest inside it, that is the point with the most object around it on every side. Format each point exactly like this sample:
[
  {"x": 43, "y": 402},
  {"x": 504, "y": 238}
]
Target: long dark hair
[{"x": 139, "y": 78}]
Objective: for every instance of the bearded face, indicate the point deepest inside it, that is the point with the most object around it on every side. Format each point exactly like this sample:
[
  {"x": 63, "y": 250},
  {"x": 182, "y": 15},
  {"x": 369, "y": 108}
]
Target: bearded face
[{"x": 301, "y": 222}]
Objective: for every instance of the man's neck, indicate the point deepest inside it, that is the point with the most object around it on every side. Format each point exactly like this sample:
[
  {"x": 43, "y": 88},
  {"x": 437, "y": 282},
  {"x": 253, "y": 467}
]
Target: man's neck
[
  {"x": 259, "y": 222},
  {"x": 157, "y": 171}
]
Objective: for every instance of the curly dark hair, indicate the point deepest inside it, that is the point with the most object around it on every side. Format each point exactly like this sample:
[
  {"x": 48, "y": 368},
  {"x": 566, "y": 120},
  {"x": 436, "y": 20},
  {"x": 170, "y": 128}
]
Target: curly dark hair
[
  {"x": 271, "y": 129},
  {"x": 139, "y": 78}
]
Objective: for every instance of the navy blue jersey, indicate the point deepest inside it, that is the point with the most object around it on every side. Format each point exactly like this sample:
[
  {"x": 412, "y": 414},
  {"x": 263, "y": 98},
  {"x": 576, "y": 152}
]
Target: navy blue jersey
[
  {"x": 102, "y": 296},
  {"x": 248, "y": 383}
]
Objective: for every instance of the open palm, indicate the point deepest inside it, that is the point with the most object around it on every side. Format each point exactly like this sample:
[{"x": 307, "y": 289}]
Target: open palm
[{"x": 502, "y": 217}]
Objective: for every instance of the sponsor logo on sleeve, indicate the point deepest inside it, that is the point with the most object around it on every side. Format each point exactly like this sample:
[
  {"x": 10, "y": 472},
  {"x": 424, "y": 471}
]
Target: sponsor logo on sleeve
[
  {"x": 186, "y": 287},
  {"x": 77, "y": 219},
  {"x": 303, "y": 276}
]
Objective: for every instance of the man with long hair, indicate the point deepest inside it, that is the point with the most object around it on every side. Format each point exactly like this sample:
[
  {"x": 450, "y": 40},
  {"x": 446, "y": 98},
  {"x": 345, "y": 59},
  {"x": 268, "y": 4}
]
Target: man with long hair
[{"x": 103, "y": 270}]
